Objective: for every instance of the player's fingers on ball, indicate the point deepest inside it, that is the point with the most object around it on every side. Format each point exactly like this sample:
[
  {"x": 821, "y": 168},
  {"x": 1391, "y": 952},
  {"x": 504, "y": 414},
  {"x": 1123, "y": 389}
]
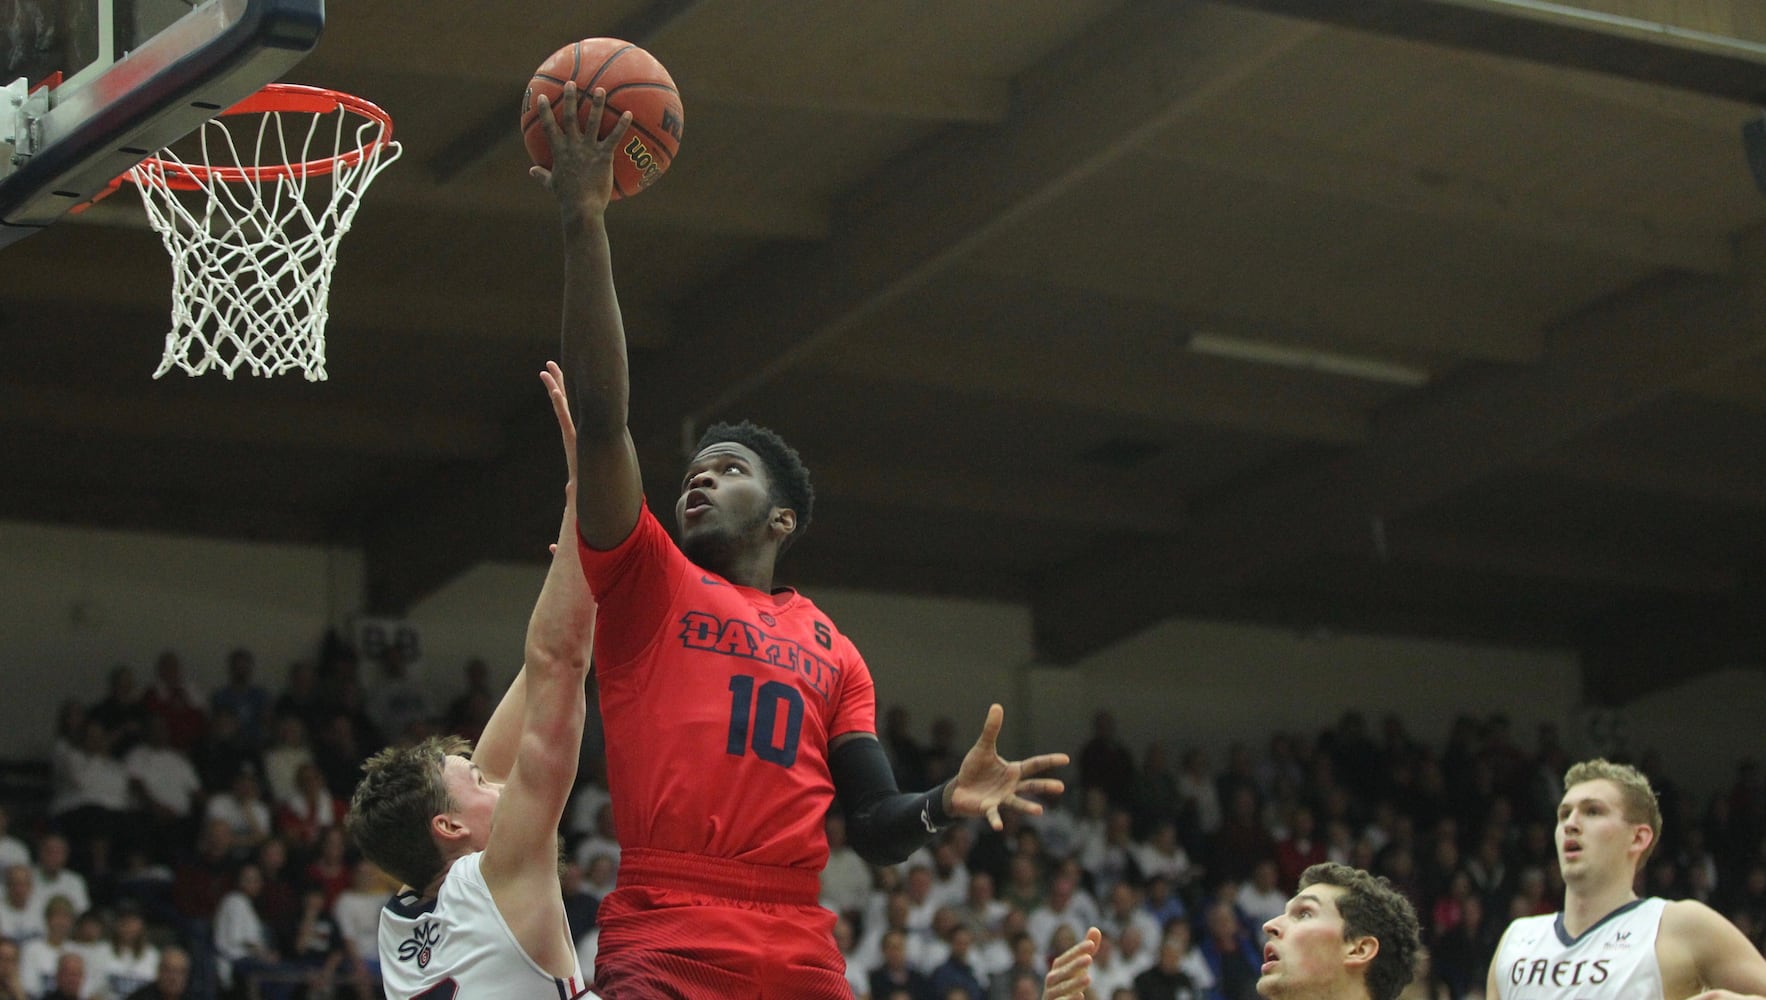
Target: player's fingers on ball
[{"x": 619, "y": 129}]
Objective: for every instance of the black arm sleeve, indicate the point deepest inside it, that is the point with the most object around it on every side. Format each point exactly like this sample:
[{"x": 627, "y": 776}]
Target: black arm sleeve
[{"x": 883, "y": 823}]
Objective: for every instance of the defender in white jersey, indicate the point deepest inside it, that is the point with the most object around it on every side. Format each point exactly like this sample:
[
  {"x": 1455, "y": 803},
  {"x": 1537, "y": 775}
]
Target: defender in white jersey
[
  {"x": 1608, "y": 944},
  {"x": 481, "y": 915}
]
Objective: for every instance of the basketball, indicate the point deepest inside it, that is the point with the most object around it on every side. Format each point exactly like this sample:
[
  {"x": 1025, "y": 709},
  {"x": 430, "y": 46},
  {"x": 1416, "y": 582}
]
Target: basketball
[{"x": 634, "y": 82}]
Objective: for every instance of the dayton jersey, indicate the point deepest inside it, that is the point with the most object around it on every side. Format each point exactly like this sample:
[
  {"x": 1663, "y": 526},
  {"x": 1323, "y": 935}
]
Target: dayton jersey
[
  {"x": 1613, "y": 960},
  {"x": 458, "y": 945},
  {"x": 718, "y": 702}
]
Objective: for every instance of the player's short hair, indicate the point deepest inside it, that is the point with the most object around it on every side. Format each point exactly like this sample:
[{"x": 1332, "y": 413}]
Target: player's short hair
[
  {"x": 400, "y": 792},
  {"x": 787, "y": 476},
  {"x": 1371, "y": 907},
  {"x": 1636, "y": 798}
]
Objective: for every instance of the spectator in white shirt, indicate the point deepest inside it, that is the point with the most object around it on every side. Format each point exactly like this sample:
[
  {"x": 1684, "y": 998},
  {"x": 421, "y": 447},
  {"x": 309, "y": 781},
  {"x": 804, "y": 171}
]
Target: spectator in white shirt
[
  {"x": 94, "y": 951},
  {"x": 922, "y": 902},
  {"x": 1109, "y": 972},
  {"x": 1007, "y": 948},
  {"x": 1124, "y": 910},
  {"x": 1065, "y": 907},
  {"x": 981, "y": 911},
  {"x": 130, "y": 961},
  {"x": 89, "y": 789},
  {"x": 846, "y": 879},
  {"x": 38, "y": 958},
  {"x": 245, "y": 952},
  {"x": 1195, "y": 782},
  {"x": 54, "y": 878},
  {"x": 243, "y": 809},
  {"x": 357, "y": 912},
  {"x": 1163, "y": 855},
  {"x": 21, "y": 911},
  {"x": 1261, "y": 899},
  {"x": 950, "y": 876},
  {"x": 285, "y": 756},
  {"x": 166, "y": 784}
]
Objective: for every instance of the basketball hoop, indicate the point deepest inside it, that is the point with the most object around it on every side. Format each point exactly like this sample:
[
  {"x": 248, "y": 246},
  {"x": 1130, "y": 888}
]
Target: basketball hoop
[{"x": 253, "y": 244}]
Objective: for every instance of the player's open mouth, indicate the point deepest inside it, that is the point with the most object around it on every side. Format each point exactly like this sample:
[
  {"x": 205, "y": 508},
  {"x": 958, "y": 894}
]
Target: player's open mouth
[
  {"x": 1268, "y": 958},
  {"x": 697, "y": 502}
]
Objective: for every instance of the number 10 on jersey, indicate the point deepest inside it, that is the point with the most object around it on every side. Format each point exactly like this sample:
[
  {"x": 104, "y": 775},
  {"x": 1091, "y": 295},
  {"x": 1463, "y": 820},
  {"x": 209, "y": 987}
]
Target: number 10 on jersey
[{"x": 761, "y": 708}]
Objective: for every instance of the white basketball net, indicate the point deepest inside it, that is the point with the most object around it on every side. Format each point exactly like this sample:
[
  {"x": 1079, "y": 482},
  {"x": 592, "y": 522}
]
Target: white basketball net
[{"x": 252, "y": 258}]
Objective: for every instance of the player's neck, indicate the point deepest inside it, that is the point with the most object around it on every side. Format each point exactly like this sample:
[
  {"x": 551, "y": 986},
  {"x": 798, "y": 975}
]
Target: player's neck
[
  {"x": 1587, "y": 904},
  {"x": 750, "y": 568}
]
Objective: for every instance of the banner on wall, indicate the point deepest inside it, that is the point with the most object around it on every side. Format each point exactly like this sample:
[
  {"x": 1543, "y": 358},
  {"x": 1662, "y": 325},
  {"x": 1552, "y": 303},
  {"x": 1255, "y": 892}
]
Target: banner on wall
[
  {"x": 374, "y": 636},
  {"x": 1603, "y": 731}
]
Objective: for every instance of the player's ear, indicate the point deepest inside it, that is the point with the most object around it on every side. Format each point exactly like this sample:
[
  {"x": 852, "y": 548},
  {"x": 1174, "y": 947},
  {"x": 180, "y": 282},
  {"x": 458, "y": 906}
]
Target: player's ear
[
  {"x": 445, "y": 827},
  {"x": 1642, "y": 837},
  {"x": 1359, "y": 952},
  {"x": 784, "y": 521}
]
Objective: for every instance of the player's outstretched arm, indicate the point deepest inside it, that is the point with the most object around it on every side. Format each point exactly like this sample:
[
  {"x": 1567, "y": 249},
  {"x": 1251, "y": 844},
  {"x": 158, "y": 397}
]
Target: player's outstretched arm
[
  {"x": 885, "y": 825},
  {"x": 593, "y": 339},
  {"x": 495, "y": 751},
  {"x": 988, "y": 783},
  {"x": 520, "y": 860},
  {"x": 1727, "y": 963},
  {"x": 1070, "y": 975}
]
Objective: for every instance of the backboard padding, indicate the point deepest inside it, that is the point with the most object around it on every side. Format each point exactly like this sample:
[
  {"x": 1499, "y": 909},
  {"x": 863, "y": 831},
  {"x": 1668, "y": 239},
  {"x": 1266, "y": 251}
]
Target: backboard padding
[{"x": 101, "y": 123}]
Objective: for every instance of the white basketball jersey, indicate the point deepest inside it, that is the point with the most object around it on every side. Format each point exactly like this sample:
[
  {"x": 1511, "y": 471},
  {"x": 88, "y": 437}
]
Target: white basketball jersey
[
  {"x": 1613, "y": 960},
  {"x": 458, "y": 945}
]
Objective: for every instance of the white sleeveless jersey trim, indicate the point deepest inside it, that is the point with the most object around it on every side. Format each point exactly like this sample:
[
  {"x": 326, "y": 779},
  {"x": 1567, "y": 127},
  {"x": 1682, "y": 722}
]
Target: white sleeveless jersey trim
[
  {"x": 1613, "y": 960},
  {"x": 459, "y": 946}
]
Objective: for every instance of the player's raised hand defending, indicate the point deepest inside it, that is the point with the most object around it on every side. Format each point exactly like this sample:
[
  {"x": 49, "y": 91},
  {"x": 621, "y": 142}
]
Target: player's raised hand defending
[
  {"x": 582, "y": 165},
  {"x": 1070, "y": 974},
  {"x": 553, "y": 377},
  {"x": 988, "y": 783}
]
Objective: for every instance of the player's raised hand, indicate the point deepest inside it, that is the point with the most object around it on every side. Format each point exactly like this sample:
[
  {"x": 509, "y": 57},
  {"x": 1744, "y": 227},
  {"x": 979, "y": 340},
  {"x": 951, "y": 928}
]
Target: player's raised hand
[
  {"x": 1070, "y": 974},
  {"x": 553, "y": 377},
  {"x": 582, "y": 165},
  {"x": 988, "y": 783}
]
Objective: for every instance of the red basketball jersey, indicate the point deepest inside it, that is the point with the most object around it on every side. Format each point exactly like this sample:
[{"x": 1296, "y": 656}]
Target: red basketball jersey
[{"x": 718, "y": 703}]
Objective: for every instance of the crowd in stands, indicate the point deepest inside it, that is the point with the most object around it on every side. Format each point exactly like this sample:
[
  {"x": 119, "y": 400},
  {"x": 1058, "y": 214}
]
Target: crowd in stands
[{"x": 191, "y": 844}]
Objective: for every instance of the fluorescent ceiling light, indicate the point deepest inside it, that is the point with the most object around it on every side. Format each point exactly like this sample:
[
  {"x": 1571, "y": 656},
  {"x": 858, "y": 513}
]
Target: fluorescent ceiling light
[{"x": 1329, "y": 362}]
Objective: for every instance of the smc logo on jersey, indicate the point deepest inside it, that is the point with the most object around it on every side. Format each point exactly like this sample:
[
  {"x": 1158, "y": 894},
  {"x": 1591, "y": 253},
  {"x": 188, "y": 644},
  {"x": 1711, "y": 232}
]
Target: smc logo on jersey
[{"x": 421, "y": 944}]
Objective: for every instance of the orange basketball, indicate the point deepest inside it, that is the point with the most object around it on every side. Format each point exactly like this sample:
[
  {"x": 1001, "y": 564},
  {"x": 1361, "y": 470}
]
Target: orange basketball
[{"x": 634, "y": 82}]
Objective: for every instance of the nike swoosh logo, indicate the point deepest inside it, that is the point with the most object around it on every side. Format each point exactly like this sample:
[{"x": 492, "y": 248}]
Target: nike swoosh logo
[{"x": 711, "y": 581}]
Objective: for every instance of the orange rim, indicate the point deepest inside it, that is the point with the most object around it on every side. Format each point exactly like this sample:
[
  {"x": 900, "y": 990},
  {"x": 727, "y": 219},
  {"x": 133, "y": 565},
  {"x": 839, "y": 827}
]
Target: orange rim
[{"x": 292, "y": 97}]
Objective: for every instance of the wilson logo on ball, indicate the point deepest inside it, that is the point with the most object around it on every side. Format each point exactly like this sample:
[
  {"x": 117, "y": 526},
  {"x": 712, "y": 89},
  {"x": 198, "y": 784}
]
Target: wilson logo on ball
[{"x": 639, "y": 154}]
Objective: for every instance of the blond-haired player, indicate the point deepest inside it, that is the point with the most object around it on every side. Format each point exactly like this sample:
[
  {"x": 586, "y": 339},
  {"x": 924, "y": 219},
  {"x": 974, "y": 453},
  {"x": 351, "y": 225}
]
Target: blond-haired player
[{"x": 1607, "y": 944}]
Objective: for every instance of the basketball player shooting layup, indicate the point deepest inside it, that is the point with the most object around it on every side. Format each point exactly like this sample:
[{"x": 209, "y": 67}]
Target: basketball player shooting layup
[
  {"x": 473, "y": 834},
  {"x": 735, "y": 713},
  {"x": 1607, "y": 944}
]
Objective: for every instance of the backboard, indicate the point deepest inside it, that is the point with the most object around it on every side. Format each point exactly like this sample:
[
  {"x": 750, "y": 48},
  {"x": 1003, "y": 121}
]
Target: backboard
[{"x": 90, "y": 87}]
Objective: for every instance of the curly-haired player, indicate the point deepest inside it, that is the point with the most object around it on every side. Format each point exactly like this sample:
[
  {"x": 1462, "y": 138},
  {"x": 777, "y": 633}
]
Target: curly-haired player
[{"x": 735, "y": 712}]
